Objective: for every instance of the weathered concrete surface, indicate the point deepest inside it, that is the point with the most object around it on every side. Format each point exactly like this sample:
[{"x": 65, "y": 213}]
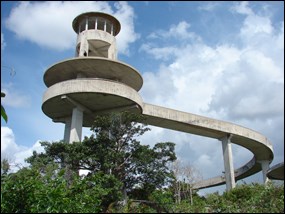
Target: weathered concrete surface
[
  {"x": 67, "y": 127},
  {"x": 76, "y": 125},
  {"x": 203, "y": 126},
  {"x": 93, "y": 67},
  {"x": 96, "y": 43},
  {"x": 276, "y": 172}
]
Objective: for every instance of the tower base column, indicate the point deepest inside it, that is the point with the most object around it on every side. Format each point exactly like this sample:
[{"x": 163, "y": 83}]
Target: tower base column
[
  {"x": 228, "y": 162},
  {"x": 76, "y": 125},
  {"x": 265, "y": 167},
  {"x": 67, "y": 130}
]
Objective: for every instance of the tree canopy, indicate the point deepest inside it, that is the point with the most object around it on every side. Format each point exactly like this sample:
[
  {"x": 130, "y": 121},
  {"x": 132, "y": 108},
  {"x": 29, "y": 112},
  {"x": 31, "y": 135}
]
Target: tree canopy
[{"x": 112, "y": 150}]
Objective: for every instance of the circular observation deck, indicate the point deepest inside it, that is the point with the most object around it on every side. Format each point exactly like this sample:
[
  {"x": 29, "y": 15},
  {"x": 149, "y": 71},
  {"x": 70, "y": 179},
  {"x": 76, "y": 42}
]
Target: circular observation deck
[
  {"x": 93, "y": 67},
  {"x": 96, "y": 96}
]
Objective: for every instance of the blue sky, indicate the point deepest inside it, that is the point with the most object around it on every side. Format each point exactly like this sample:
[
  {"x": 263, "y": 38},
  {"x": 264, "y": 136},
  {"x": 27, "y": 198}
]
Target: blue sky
[{"x": 223, "y": 60}]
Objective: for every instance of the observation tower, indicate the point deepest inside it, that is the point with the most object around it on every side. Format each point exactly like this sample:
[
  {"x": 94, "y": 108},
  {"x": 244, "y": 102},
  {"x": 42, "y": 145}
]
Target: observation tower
[
  {"x": 96, "y": 82},
  {"x": 92, "y": 82}
]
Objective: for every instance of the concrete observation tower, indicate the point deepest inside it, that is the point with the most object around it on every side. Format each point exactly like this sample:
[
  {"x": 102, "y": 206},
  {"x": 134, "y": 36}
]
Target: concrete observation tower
[
  {"x": 95, "y": 82},
  {"x": 92, "y": 82}
]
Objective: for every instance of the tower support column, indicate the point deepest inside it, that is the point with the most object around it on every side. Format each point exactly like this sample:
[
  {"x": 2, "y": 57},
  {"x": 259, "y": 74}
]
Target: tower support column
[
  {"x": 228, "y": 162},
  {"x": 265, "y": 167},
  {"x": 76, "y": 125},
  {"x": 67, "y": 130}
]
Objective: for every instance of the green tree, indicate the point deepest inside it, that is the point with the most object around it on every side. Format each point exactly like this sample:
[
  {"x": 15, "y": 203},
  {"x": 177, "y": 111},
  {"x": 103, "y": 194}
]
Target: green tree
[
  {"x": 5, "y": 166},
  {"x": 30, "y": 191},
  {"x": 249, "y": 198},
  {"x": 114, "y": 149}
]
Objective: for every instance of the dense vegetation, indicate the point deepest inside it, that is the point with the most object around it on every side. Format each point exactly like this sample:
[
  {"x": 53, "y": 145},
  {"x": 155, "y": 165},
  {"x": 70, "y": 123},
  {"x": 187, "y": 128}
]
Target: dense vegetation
[
  {"x": 253, "y": 198},
  {"x": 124, "y": 176}
]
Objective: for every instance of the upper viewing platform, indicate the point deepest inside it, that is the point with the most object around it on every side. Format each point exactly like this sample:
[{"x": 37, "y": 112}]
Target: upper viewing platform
[
  {"x": 96, "y": 35},
  {"x": 96, "y": 21}
]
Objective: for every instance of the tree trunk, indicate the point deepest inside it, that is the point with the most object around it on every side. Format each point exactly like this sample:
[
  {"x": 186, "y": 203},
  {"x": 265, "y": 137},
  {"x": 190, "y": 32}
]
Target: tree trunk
[{"x": 125, "y": 196}]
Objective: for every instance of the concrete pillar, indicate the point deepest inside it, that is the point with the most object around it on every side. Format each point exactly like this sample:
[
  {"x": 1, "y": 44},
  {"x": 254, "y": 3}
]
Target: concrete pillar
[
  {"x": 86, "y": 24},
  {"x": 228, "y": 162},
  {"x": 67, "y": 130},
  {"x": 76, "y": 125},
  {"x": 84, "y": 46},
  {"x": 265, "y": 167}
]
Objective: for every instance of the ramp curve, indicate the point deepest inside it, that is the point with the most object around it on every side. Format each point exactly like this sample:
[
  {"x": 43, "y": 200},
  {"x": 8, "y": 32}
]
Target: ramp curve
[{"x": 258, "y": 144}]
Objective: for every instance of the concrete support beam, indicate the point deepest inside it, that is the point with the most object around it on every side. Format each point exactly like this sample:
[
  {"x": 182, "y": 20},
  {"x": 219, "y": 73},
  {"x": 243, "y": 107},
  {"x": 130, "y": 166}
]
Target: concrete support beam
[
  {"x": 76, "y": 125},
  {"x": 228, "y": 162},
  {"x": 265, "y": 168},
  {"x": 121, "y": 108},
  {"x": 67, "y": 130},
  {"x": 76, "y": 104}
]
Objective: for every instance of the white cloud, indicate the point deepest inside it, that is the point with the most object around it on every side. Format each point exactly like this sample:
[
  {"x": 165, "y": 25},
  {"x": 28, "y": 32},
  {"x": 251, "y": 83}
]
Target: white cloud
[
  {"x": 209, "y": 6},
  {"x": 15, "y": 153},
  {"x": 254, "y": 25},
  {"x": 8, "y": 144},
  {"x": 14, "y": 97},
  {"x": 179, "y": 31},
  {"x": 242, "y": 8},
  {"x": 258, "y": 77},
  {"x": 162, "y": 53},
  {"x": 190, "y": 77},
  {"x": 27, "y": 152},
  {"x": 125, "y": 14},
  {"x": 55, "y": 31}
]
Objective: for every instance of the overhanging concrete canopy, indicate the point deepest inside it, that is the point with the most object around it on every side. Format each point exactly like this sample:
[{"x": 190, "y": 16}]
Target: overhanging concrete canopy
[{"x": 97, "y": 95}]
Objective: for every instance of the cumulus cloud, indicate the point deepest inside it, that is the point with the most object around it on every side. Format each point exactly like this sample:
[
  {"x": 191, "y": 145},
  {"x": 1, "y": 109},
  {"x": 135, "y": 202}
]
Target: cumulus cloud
[
  {"x": 238, "y": 82},
  {"x": 242, "y": 8},
  {"x": 55, "y": 31},
  {"x": 125, "y": 14},
  {"x": 15, "y": 153},
  {"x": 8, "y": 144},
  {"x": 14, "y": 97},
  {"x": 257, "y": 78},
  {"x": 209, "y": 6},
  {"x": 178, "y": 31}
]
